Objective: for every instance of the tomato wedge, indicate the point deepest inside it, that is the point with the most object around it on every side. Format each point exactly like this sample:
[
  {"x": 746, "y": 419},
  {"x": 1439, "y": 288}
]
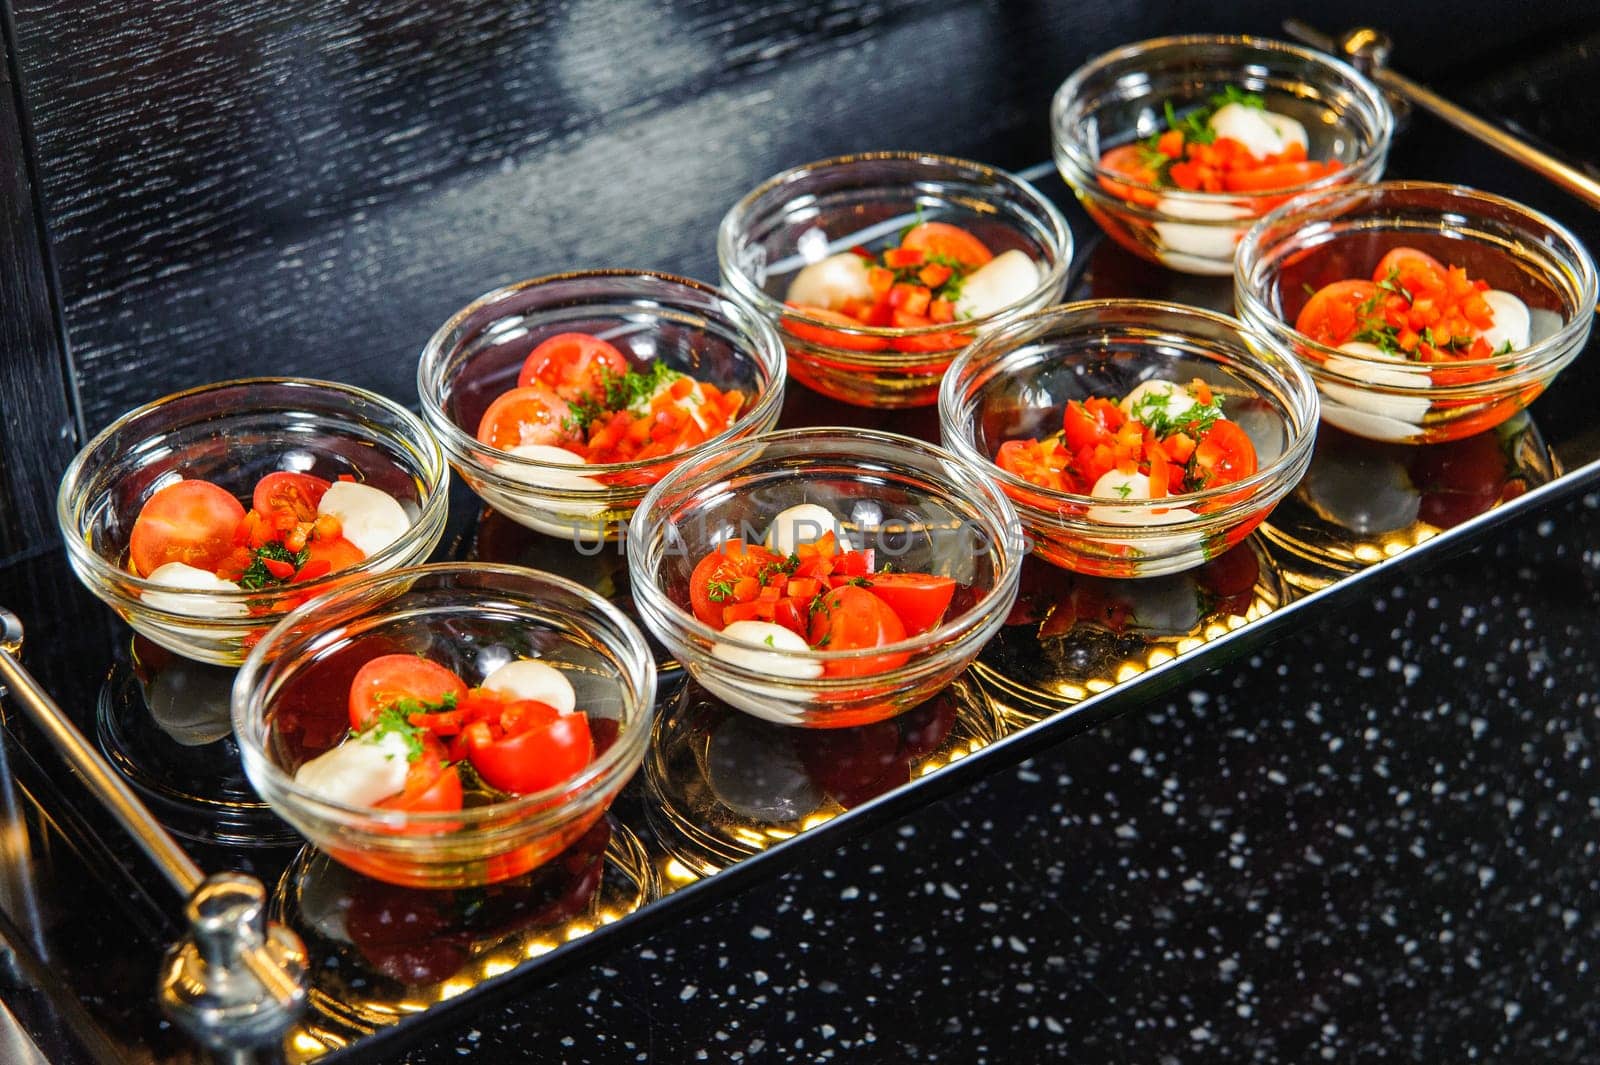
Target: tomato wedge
[
  {"x": 918, "y": 599},
  {"x": 573, "y": 365},
  {"x": 430, "y": 784},
  {"x": 852, "y": 618},
  {"x": 541, "y": 755},
  {"x": 1224, "y": 454},
  {"x": 190, "y": 522},
  {"x": 336, "y": 551},
  {"x": 945, "y": 241},
  {"x": 1334, "y": 313},
  {"x": 530, "y": 414},
  {"x": 1416, "y": 270},
  {"x": 296, "y": 493},
  {"x": 385, "y": 681}
]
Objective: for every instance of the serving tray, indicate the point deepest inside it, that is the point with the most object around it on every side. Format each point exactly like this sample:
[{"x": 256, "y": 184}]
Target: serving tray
[{"x": 723, "y": 797}]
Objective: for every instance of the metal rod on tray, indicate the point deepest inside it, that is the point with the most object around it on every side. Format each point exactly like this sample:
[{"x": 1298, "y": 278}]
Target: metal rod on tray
[
  {"x": 1368, "y": 50},
  {"x": 201, "y": 986}
]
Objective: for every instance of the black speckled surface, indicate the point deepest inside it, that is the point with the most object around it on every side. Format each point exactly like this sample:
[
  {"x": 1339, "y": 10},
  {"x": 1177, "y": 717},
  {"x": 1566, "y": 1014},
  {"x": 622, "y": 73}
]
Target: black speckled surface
[{"x": 1374, "y": 840}]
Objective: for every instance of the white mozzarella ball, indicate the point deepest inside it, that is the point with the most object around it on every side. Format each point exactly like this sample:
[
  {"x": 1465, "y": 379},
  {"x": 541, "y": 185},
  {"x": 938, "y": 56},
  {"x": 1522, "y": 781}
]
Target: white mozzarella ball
[
  {"x": 1250, "y": 127},
  {"x": 179, "y": 575},
  {"x": 1200, "y": 249},
  {"x": 1512, "y": 323},
  {"x": 1115, "y": 484},
  {"x": 556, "y": 456},
  {"x": 774, "y": 663},
  {"x": 803, "y": 524},
  {"x": 832, "y": 282},
  {"x": 369, "y": 517},
  {"x": 358, "y": 772},
  {"x": 1176, "y": 403},
  {"x": 1008, "y": 278},
  {"x": 528, "y": 678},
  {"x": 1289, "y": 130},
  {"x": 1374, "y": 415}
]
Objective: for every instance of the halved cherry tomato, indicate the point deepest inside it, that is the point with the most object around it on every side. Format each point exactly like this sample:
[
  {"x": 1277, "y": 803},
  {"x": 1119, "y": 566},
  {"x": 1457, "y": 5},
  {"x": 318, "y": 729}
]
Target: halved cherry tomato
[
  {"x": 192, "y": 522},
  {"x": 572, "y": 364},
  {"x": 430, "y": 784},
  {"x": 1090, "y": 422},
  {"x": 530, "y": 414},
  {"x": 1224, "y": 454},
  {"x": 543, "y": 754},
  {"x": 1416, "y": 270},
  {"x": 918, "y": 599},
  {"x": 1036, "y": 462},
  {"x": 736, "y": 562},
  {"x": 384, "y": 681},
  {"x": 851, "y": 618},
  {"x": 832, "y": 338},
  {"x": 336, "y": 551},
  {"x": 1333, "y": 314},
  {"x": 297, "y": 493},
  {"x": 1129, "y": 161},
  {"x": 945, "y": 241}
]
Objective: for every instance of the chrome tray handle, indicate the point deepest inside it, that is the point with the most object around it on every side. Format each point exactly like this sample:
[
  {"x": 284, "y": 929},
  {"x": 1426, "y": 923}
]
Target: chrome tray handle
[{"x": 235, "y": 983}]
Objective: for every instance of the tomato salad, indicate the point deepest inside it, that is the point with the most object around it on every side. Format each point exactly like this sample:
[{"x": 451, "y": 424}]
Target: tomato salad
[
  {"x": 421, "y": 740},
  {"x": 937, "y": 274},
  {"x": 1161, "y": 440},
  {"x": 578, "y": 401},
  {"x": 1232, "y": 144},
  {"x": 807, "y": 588},
  {"x": 195, "y": 536}
]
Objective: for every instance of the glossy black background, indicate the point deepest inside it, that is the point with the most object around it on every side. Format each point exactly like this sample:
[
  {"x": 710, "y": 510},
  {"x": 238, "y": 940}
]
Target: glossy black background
[{"x": 225, "y": 189}]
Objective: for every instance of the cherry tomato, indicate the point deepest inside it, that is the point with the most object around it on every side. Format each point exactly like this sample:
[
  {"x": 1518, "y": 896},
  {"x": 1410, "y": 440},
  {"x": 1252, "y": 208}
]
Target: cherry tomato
[
  {"x": 384, "y": 681},
  {"x": 1035, "y": 462},
  {"x": 543, "y": 754},
  {"x": 1129, "y": 161},
  {"x": 1333, "y": 314},
  {"x": 430, "y": 784},
  {"x": 851, "y": 618},
  {"x": 1417, "y": 270},
  {"x": 573, "y": 364},
  {"x": 338, "y": 552},
  {"x": 832, "y": 338},
  {"x": 1090, "y": 423},
  {"x": 530, "y": 414},
  {"x": 190, "y": 522},
  {"x": 945, "y": 241},
  {"x": 298, "y": 493},
  {"x": 918, "y": 599},
  {"x": 1224, "y": 454},
  {"x": 725, "y": 568}
]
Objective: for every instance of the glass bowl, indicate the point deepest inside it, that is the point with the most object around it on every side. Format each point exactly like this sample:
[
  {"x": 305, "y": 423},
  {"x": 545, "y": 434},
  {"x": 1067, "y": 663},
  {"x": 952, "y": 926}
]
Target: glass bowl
[
  {"x": 1015, "y": 384},
  {"x": 810, "y": 212},
  {"x": 1319, "y": 239},
  {"x": 289, "y": 704},
  {"x": 1120, "y": 98},
  {"x": 477, "y": 354},
  {"x": 912, "y": 503},
  {"x": 232, "y": 433}
]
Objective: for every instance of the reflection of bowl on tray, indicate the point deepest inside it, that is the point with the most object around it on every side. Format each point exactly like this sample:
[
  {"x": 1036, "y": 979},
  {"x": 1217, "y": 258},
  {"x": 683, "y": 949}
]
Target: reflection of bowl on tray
[{"x": 290, "y": 704}]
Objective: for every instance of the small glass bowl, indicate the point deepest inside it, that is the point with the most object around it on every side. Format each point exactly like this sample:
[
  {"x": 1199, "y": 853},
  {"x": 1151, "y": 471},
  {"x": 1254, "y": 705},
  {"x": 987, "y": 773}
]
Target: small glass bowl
[
  {"x": 477, "y": 354},
  {"x": 812, "y": 211},
  {"x": 289, "y": 703},
  {"x": 1015, "y": 384},
  {"x": 1319, "y": 239},
  {"x": 914, "y": 504},
  {"x": 1120, "y": 98},
  {"x": 233, "y": 433}
]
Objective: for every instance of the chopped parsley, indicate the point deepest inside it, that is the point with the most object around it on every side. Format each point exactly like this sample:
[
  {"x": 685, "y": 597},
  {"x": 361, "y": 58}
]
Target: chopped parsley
[
  {"x": 719, "y": 591},
  {"x": 392, "y": 719},
  {"x": 1152, "y": 410},
  {"x": 769, "y": 641},
  {"x": 617, "y": 392},
  {"x": 257, "y": 576}
]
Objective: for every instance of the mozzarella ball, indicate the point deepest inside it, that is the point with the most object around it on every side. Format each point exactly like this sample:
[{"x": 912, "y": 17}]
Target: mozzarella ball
[
  {"x": 1374, "y": 415},
  {"x": 528, "y": 678},
  {"x": 1129, "y": 486},
  {"x": 558, "y": 456},
  {"x": 1251, "y": 128},
  {"x": 179, "y": 575},
  {"x": 832, "y": 282},
  {"x": 1178, "y": 401},
  {"x": 1200, "y": 248},
  {"x": 1512, "y": 323},
  {"x": 1289, "y": 130},
  {"x": 774, "y": 663},
  {"x": 803, "y": 524},
  {"x": 1008, "y": 278},
  {"x": 369, "y": 517},
  {"x": 358, "y": 772}
]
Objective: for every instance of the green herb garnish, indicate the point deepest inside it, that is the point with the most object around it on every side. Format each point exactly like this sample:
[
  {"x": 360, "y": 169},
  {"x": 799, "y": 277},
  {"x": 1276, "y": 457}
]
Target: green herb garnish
[{"x": 256, "y": 576}]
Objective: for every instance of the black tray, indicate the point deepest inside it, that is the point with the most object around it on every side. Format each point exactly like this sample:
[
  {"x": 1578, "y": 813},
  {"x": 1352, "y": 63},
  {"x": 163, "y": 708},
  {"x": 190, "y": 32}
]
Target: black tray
[{"x": 1127, "y": 641}]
